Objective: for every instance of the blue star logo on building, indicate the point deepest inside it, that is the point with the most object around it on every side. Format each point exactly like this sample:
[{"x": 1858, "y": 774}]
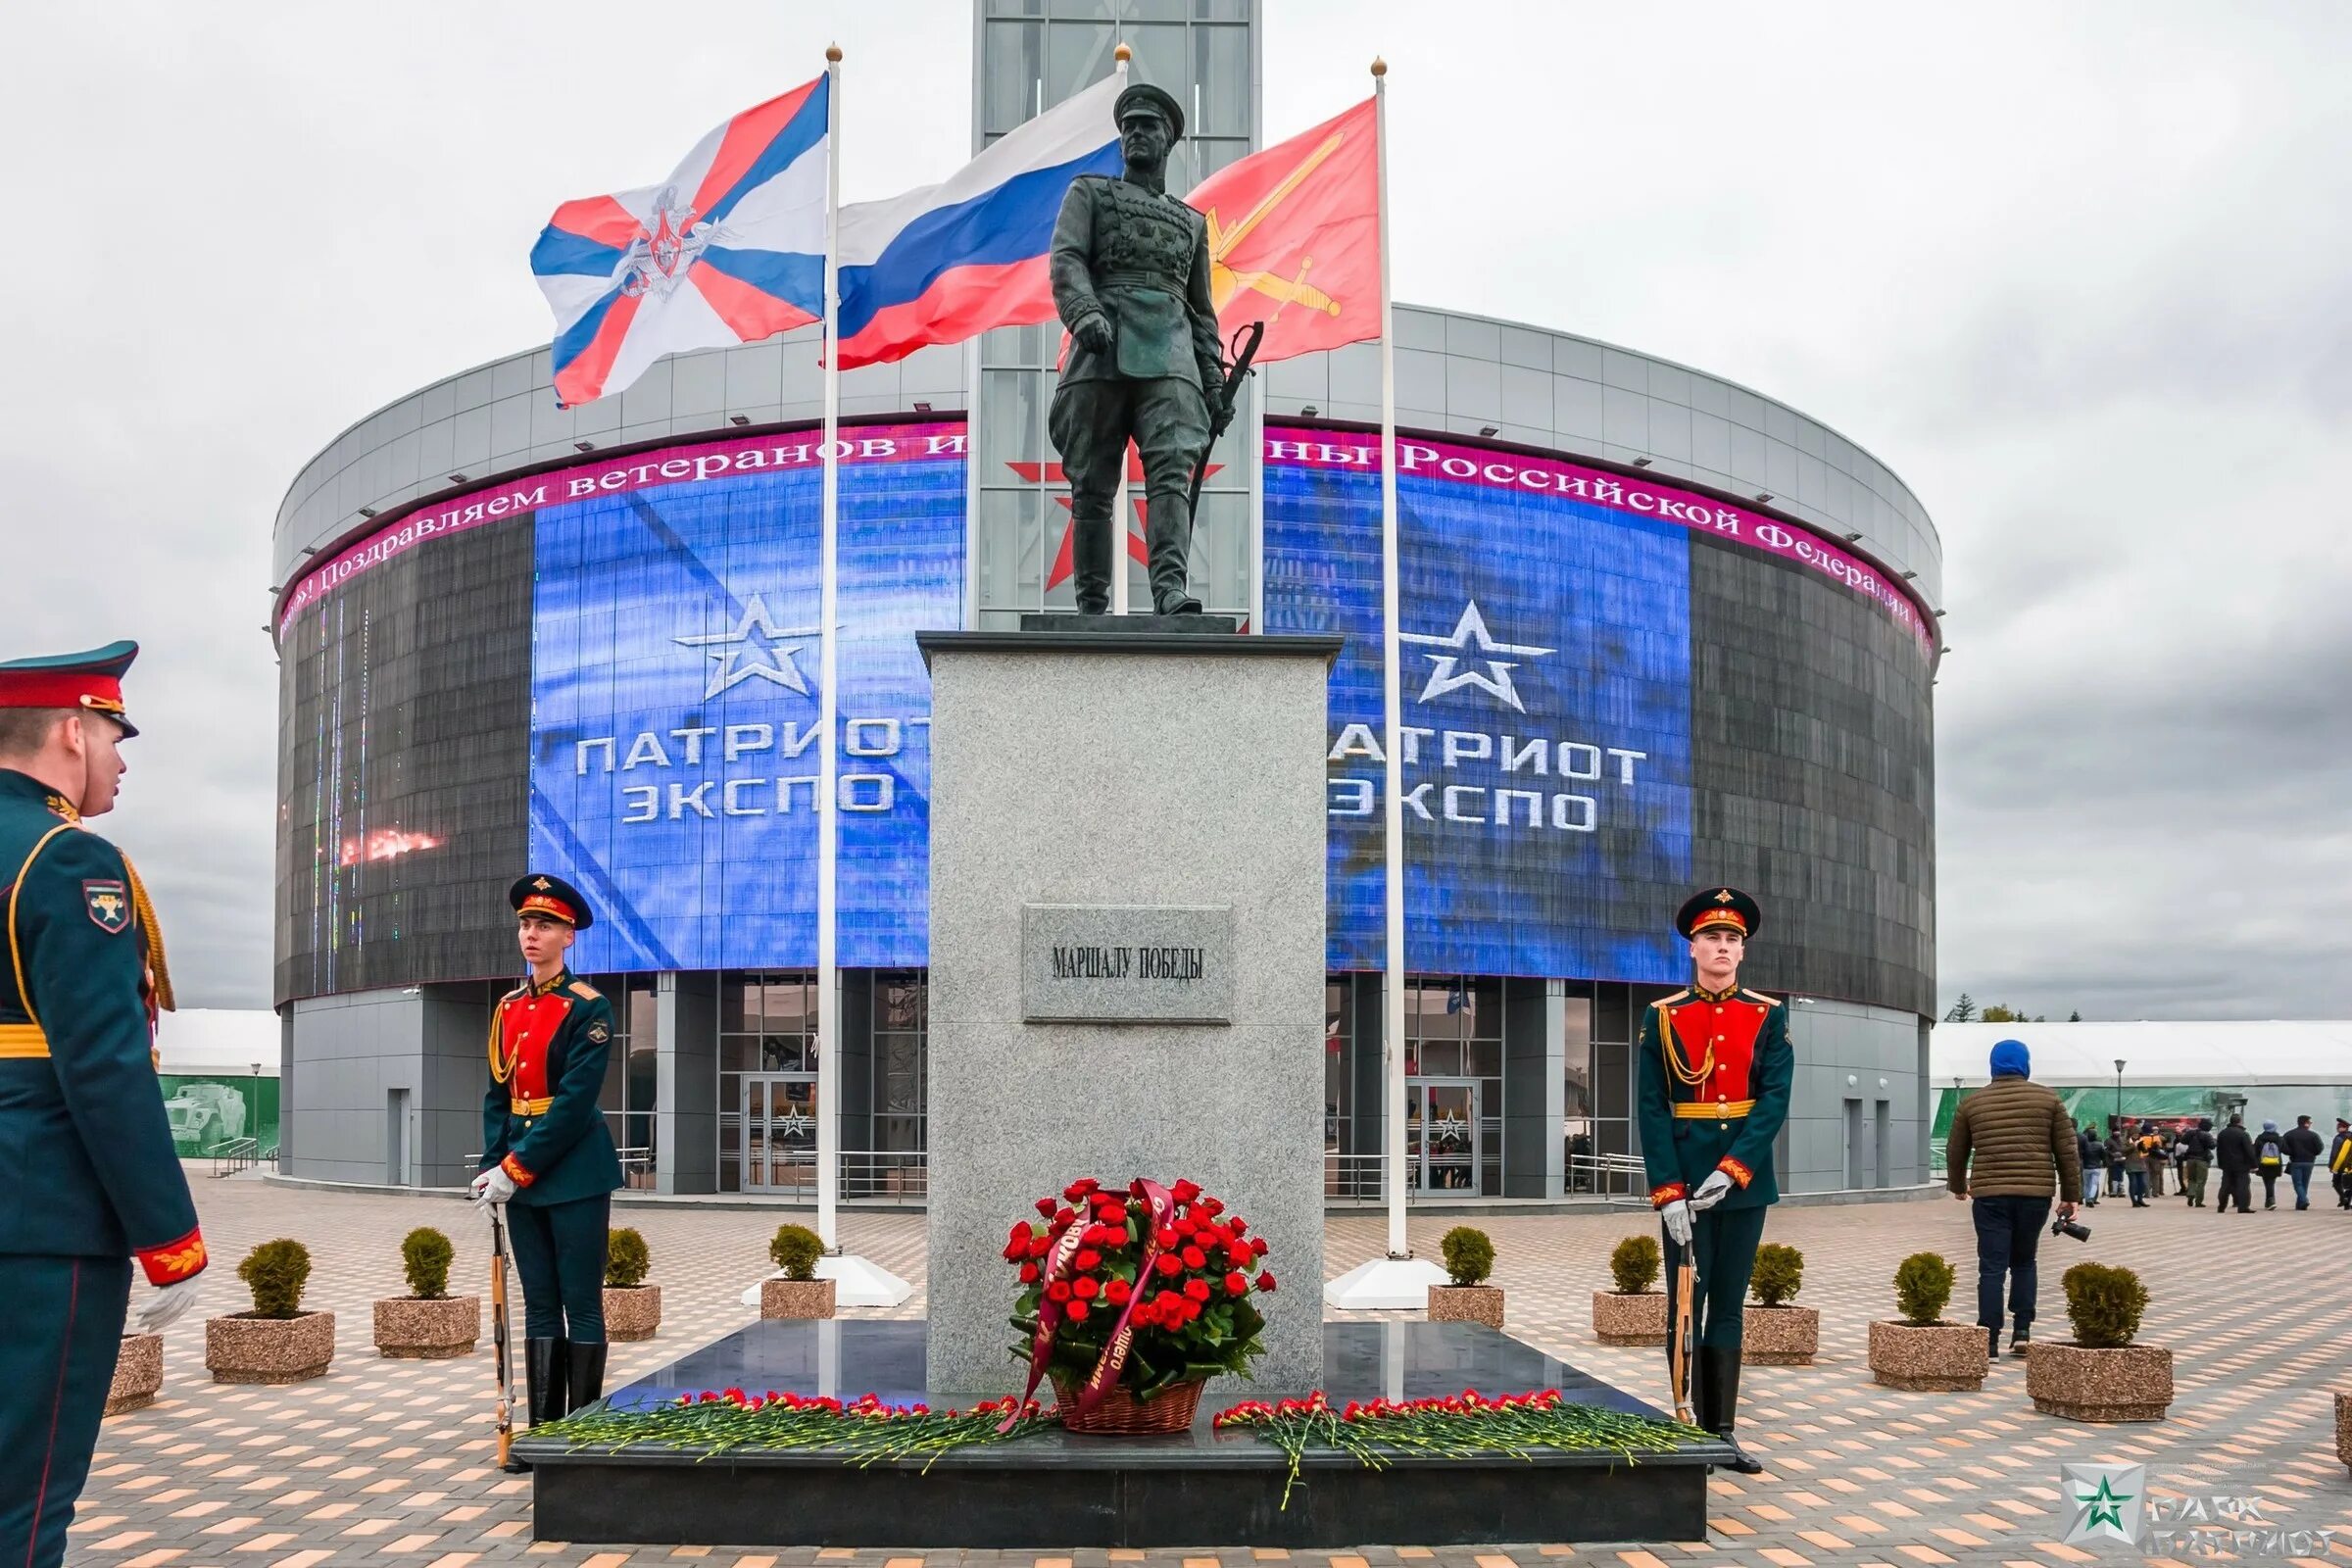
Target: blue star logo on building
[
  {"x": 1471, "y": 642},
  {"x": 2109, "y": 1502},
  {"x": 739, "y": 654}
]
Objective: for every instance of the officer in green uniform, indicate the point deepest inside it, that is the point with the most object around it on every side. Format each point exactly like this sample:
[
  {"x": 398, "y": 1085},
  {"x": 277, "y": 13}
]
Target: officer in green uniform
[
  {"x": 88, "y": 1177},
  {"x": 548, "y": 1158},
  {"x": 1130, "y": 270},
  {"x": 1712, "y": 1093}
]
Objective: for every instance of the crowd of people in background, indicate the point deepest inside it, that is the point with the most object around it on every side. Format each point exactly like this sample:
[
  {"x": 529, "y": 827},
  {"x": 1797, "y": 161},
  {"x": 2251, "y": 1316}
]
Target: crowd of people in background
[{"x": 2129, "y": 1161}]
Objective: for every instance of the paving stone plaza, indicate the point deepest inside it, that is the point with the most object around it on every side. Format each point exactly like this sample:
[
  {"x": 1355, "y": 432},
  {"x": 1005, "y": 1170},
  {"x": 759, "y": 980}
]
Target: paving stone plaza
[{"x": 386, "y": 1461}]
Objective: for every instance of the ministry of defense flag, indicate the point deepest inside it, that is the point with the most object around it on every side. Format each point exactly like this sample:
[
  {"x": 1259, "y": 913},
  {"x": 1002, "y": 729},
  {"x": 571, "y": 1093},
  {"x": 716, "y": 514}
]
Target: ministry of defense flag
[
  {"x": 951, "y": 261},
  {"x": 1293, "y": 238},
  {"x": 729, "y": 249}
]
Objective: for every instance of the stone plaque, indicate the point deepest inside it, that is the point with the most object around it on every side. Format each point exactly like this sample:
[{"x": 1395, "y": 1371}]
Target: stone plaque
[{"x": 1097, "y": 963}]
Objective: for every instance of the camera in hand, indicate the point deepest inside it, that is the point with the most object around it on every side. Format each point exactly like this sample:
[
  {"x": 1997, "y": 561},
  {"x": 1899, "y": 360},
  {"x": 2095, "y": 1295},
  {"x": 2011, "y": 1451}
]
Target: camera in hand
[{"x": 2062, "y": 1226}]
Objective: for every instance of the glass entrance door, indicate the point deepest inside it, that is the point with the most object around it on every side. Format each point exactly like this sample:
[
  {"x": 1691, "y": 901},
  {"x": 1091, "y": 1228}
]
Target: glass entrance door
[
  {"x": 779, "y": 1132},
  {"x": 1440, "y": 1135}
]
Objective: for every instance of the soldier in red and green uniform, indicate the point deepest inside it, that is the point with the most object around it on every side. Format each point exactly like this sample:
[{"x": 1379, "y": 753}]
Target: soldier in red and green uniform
[
  {"x": 1712, "y": 1093},
  {"x": 546, "y": 1156},
  {"x": 88, "y": 1177}
]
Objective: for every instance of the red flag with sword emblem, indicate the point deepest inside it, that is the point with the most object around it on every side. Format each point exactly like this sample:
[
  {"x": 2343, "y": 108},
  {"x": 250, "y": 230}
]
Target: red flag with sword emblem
[{"x": 1294, "y": 239}]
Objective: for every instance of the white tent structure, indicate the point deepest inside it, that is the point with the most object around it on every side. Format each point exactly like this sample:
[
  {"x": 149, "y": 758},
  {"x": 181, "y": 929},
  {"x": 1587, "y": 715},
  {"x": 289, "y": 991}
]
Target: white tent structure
[{"x": 219, "y": 1041}]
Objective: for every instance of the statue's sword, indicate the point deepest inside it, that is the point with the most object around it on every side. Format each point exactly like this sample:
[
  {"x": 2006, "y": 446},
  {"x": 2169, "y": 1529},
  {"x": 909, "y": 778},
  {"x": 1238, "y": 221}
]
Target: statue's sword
[{"x": 1248, "y": 338}]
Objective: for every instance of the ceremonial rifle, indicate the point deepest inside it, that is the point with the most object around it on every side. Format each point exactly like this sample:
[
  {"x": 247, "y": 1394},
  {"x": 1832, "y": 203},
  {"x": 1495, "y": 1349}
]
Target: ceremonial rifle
[
  {"x": 1248, "y": 336},
  {"x": 1681, "y": 1349},
  {"x": 499, "y": 1337}
]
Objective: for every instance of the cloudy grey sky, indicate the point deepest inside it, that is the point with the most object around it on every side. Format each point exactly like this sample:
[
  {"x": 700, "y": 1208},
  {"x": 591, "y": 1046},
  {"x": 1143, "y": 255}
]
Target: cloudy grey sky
[{"x": 2079, "y": 273}]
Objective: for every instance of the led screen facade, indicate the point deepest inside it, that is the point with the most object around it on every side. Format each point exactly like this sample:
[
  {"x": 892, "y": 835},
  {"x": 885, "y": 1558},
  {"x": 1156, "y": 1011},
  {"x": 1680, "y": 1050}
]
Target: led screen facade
[
  {"x": 1545, "y": 747},
  {"x": 674, "y": 705}
]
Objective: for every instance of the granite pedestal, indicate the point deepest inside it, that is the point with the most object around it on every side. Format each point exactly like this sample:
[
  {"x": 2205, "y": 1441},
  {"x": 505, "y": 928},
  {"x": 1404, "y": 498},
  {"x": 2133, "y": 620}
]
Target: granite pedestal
[
  {"x": 1136, "y": 814},
  {"x": 1058, "y": 1490}
]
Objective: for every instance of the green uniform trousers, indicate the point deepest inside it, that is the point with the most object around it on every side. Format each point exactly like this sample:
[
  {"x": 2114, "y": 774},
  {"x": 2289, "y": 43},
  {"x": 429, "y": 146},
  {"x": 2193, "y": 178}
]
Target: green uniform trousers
[
  {"x": 61, "y": 1322},
  {"x": 1723, "y": 1248},
  {"x": 1090, "y": 424},
  {"x": 560, "y": 1255}
]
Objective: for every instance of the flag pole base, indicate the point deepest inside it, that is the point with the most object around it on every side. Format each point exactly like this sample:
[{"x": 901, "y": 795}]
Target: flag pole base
[
  {"x": 1385, "y": 1284},
  {"x": 857, "y": 1282}
]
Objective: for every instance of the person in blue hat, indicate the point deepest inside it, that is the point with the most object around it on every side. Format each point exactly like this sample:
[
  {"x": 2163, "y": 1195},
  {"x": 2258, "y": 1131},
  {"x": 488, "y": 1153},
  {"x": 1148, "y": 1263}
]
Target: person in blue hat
[
  {"x": 1711, "y": 1093},
  {"x": 547, "y": 1159},
  {"x": 93, "y": 1181}
]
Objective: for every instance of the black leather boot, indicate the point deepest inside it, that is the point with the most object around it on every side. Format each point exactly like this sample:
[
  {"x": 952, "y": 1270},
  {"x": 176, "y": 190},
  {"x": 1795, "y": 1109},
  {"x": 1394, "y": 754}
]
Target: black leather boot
[
  {"x": 1091, "y": 561},
  {"x": 1719, "y": 1379},
  {"x": 544, "y": 1369},
  {"x": 1168, "y": 530},
  {"x": 587, "y": 1376}
]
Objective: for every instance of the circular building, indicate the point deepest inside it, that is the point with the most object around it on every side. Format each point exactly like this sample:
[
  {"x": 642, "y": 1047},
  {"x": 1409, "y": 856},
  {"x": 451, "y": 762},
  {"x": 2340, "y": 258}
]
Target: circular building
[{"x": 1658, "y": 631}]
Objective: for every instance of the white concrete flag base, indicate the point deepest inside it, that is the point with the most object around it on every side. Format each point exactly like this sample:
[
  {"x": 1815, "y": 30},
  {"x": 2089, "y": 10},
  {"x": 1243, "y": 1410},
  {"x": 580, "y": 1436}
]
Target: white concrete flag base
[
  {"x": 857, "y": 1282},
  {"x": 1385, "y": 1283}
]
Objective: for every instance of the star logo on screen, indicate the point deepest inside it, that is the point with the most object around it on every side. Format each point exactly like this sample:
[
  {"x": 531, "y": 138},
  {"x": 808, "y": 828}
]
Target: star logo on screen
[
  {"x": 1471, "y": 642},
  {"x": 754, "y": 648}
]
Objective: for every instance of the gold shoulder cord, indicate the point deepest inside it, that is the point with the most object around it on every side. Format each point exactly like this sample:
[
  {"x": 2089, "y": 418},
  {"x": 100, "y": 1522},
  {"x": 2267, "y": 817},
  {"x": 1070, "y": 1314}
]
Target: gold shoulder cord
[
  {"x": 16, "y": 953},
  {"x": 501, "y": 1065},
  {"x": 1677, "y": 1061},
  {"x": 152, "y": 932}
]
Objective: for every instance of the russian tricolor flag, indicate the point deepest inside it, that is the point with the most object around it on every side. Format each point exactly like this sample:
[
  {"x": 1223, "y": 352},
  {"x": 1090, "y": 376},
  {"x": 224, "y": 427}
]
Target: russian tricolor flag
[
  {"x": 729, "y": 249},
  {"x": 948, "y": 261}
]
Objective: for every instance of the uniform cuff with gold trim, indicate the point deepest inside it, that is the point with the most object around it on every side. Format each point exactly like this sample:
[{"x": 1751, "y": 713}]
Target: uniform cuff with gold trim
[
  {"x": 514, "y": 1169},
  {"x": 1667, "y": 1193},
  {"x": 1734, "y": 1170},
  {"x": 174, "y": 1261}
]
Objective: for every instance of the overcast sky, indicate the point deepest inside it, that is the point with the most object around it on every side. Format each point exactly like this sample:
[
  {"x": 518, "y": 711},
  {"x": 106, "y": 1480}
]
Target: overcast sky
[{"x": 2079, "y": 274}]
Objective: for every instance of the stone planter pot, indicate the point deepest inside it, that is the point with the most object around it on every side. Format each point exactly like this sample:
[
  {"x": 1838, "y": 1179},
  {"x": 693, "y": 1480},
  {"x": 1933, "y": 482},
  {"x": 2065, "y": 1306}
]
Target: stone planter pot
[
  {"x": 632, "y": 1312},
  {"x": 796, "y": 1298},
  {"x": 139, "y": 1374},
  {"x": 410, "y": 1328},
  {"x": 1466, "y": 1303},
  {"x": 244, "y": 1348},
  {"x": 2343, "y": 1429},
  {"x": 1636, "y": 1319},
  {"x": 2129, "y": 1383},
  {"x": 1779, "y": 1335},
  {"x": 1935, "y": 1357}
]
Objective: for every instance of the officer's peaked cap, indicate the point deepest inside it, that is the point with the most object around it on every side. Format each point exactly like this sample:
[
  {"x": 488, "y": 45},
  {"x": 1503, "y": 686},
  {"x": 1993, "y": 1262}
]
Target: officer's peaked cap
[{"x": 1145, "y": 95}]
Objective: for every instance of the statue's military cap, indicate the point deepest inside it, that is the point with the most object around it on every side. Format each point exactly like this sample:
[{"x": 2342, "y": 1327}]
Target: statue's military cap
[
  {"x": 91, "y": 682},
  {"x": 1142, "y": 95},
  {"x": 551, "y": 896},
  {"x": 1719, "y": 906}
]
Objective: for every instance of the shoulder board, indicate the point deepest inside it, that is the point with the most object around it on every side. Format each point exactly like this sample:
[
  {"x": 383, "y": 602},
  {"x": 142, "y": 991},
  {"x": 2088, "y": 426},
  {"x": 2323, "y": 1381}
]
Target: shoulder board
[
  {"x": 1758, "y": 995},
  {"x": 523, "y": 990},
  {"x": 1668, "y": 1002},
  {"x": 581, "y": 988}
]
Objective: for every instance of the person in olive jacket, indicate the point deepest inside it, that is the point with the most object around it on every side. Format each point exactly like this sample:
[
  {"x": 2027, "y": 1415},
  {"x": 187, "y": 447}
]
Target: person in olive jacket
[
  {"x": 547, "y": 1159},
  {"x": 2115, "y": 1161},
  {"x": 2234, "y": 1151},
  {"x": 2012, "y": 1148}
]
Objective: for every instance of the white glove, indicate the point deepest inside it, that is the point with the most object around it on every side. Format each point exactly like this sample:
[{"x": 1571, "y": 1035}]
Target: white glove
[
  {"x": 492, "y": 1186},
  {"x": 1677, "y": 1216},
  {"x": 1710, "y": 1191},
  {"x": 168, "y": 1305}
]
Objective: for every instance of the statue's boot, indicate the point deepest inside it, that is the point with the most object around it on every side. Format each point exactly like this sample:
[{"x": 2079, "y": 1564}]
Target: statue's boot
[
  {"x": 1170, "y": 537},
  {"x": 1090, "y": 562},
  {"x": 1719, "y": 1401}
]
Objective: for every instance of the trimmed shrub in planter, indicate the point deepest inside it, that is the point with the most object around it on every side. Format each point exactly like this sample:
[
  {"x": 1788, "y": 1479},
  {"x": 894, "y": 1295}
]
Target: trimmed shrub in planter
[
  {"x": 1635, "y": 1312},
  {"x": 632, "y": 1307},
  {"x": 139, "y": 1374},
  {"x": 1919, "y": 1350},
  {"x": 1466, "y": 1298},
  {"x": 1773, "y": 1333},
  {"x": 278, "y": 1342},
  {"x": 2343, "y": 1429},
  {"x": 428, "y": 1324},
  {"x": 799, "y": 1293},
  {"x": 2102, "y": 1376}
]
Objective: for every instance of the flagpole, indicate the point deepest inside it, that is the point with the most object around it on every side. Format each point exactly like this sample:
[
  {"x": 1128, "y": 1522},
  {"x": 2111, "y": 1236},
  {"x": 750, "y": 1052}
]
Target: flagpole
[
  {"x": 1122, "y": 503},
  {"x": 1391, "y": 681},
  {"x": 828, "y": 968}
]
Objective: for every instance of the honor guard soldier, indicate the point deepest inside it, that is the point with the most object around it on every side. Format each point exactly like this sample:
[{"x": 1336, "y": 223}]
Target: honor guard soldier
[
  {"x": 1130, "y": 270},
  {"x": 546, "y": 1156},
  {"x": 1713, "y": 1091},
  {"x": 91, "y": 1180}
]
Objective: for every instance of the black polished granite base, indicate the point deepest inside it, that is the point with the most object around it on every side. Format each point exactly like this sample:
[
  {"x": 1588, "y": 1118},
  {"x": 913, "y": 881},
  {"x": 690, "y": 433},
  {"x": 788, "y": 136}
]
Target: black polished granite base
[
  {"x": 1143, "y": 625},
  {"x": 1055, "y": 1489}
]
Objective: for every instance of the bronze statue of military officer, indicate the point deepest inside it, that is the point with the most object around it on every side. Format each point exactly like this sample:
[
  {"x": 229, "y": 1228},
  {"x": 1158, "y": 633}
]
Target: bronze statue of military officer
[{"x": 1130, "y": 270}]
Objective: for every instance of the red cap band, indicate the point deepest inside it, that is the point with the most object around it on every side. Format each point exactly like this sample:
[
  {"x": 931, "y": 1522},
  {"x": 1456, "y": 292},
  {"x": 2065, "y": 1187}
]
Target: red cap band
[
  {"x": 42, "y": 688},
  {"x": 541, "y": 903}
]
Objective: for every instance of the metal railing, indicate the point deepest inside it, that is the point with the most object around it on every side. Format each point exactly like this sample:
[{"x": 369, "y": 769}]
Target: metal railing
[
  {"x": 237, "y": 1154},
  {"x": 865, "y": 1173}
]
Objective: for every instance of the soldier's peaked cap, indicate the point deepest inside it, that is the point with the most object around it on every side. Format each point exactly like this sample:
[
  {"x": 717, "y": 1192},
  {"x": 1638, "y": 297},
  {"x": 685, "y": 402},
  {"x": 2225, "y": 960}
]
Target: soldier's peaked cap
[
  {"x": 1144, "y": 94},
  {"x": 1719, "y": 906},
  {"x": 91, "y": 682},
  {"x": 551, "y": 896}
]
